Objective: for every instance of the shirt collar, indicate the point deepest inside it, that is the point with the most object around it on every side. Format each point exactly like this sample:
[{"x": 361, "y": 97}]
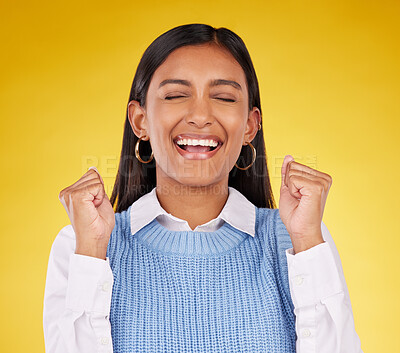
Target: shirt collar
[{"x": 239, "y": 212}]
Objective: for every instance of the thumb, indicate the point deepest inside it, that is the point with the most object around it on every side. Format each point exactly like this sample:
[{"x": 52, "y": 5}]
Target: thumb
[{"x": 285, "y": 163}]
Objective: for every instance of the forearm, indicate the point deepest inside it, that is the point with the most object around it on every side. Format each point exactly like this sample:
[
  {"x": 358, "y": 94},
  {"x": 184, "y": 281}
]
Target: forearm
[
  {"x": 77, "y": 300},
  {"x": 324, "y": 318}
]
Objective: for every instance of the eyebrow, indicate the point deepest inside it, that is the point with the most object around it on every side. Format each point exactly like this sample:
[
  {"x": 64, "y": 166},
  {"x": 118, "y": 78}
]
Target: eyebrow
[{"x": 218, "y": 82}]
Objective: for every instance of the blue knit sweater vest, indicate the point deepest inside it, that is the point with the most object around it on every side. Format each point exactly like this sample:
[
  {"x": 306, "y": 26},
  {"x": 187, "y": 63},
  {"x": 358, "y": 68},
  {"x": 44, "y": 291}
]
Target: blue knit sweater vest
[{"x": 190, "y": 291}]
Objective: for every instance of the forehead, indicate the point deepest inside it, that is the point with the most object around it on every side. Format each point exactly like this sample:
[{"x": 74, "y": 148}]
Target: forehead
[{"x": 201, "y": 63}]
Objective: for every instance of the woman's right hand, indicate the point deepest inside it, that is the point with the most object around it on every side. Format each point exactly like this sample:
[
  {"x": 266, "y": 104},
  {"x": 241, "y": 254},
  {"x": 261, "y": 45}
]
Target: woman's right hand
[{"x": 91, "y": 214}]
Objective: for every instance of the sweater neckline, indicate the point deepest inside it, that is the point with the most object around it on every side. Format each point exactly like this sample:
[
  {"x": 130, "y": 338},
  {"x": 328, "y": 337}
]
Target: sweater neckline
[{"x": 190, "y": 243}]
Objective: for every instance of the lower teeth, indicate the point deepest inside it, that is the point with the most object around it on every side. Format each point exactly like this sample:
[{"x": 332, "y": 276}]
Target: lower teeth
[{"x": 198, "y": 148}]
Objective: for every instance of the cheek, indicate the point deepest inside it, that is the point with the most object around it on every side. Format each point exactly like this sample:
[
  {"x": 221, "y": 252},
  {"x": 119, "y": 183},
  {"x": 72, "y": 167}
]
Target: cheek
[
  {"x": 231, "y": 115},
  {"x": 235, "y": 129},
  {"x": 161, "y": 133},
  {"x": 235, "y": 126}
]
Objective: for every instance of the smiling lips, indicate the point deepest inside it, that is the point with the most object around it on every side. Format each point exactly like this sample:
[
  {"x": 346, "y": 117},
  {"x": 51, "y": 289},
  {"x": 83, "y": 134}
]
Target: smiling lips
[{"x": 193, "y": 146}]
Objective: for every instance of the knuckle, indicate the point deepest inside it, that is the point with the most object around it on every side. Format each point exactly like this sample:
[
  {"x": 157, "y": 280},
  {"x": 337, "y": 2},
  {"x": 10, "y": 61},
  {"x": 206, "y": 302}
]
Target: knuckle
[
  {"x": 328, "y": 177},
  {"x": 98, "y": 184},
  {"x": 75, "y": 194},
  {"x": 291, "y": 177},
  {"x": 319, "y": 186},
  {"x": 88, "y": 174},
  {"x": 62, "y": 194},
  {"x": 95, "y": 175}
]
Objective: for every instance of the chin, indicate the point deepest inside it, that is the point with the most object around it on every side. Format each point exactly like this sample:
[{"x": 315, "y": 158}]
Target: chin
[{"x": 197, "y": 180}]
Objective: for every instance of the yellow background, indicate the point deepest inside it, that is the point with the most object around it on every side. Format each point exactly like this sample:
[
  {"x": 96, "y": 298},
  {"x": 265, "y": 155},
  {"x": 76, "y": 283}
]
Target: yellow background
[{"x": 329, "y": 81}]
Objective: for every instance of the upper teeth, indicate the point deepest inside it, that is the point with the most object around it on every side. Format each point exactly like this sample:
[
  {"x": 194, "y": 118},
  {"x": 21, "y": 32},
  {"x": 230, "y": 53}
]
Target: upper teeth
[{"x": 194, "y": 142}]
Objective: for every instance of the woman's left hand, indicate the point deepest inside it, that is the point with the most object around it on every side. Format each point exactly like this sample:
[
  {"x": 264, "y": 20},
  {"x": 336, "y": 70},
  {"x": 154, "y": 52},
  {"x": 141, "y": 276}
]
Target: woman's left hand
[{"x": 302, "y": 200}]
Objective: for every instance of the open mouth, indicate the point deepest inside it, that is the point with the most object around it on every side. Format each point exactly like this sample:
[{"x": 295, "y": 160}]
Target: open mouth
[{"x": 197, "y": 146}]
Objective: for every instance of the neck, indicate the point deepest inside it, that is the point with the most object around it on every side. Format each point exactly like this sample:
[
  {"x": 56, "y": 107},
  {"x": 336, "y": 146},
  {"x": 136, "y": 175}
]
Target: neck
[{"x": 195, "y": 204}]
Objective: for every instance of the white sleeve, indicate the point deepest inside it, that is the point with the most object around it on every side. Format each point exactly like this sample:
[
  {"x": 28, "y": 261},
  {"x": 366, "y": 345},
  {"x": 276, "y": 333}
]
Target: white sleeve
[
  {"x": 77, "y": 299},
  {"x": 324, "y": 316}
]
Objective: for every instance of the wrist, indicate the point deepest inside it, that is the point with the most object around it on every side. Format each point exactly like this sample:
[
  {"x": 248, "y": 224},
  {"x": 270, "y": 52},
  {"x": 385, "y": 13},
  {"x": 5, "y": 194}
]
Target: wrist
[
  {"x": 91, "y": 251},
  {"x": 306, "y": 243}
]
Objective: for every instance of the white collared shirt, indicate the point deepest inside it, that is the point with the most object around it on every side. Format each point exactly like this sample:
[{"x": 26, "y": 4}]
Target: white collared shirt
[
  {"x": 77, "y": 295},
  {"x": 237, "y": 211}
]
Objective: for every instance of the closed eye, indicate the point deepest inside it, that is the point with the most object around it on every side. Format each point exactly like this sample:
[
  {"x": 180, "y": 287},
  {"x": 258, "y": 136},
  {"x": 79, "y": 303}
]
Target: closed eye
[
  {"x": 227, "y": 100},
  {"x": 172, "y": 97},
  {"x": 223, "y": 99}
]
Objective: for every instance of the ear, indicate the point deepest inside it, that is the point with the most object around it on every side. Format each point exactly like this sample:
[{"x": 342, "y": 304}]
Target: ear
[
  {"x": 253, "y": 121},
  {"x": 137, "y": 118}
]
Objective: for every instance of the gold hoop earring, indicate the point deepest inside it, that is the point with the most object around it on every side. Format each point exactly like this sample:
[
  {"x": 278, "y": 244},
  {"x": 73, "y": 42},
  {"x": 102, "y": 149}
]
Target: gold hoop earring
[
  {"x": 254, "y": 157},
  {"x": 137, "y": 152},
  {"x": 259, "y": 126}
]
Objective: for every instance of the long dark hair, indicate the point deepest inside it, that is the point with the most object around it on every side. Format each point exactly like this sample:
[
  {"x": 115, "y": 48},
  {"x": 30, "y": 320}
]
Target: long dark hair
[{"x": 134, "y": 179}]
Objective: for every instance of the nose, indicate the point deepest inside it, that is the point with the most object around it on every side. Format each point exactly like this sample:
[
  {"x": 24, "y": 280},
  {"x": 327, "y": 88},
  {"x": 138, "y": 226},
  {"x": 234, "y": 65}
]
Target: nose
[{"x": 200, "y": 114}]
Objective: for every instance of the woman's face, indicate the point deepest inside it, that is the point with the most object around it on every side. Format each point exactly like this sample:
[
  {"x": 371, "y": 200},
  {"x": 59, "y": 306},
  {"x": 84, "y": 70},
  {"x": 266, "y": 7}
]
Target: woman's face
[{"x": 198, "y": 93}]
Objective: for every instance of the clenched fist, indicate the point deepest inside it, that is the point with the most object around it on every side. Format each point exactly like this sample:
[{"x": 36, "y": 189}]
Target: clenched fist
[
  {"x": 91, "y": 214},
  {"x": 301, "y": 205}
]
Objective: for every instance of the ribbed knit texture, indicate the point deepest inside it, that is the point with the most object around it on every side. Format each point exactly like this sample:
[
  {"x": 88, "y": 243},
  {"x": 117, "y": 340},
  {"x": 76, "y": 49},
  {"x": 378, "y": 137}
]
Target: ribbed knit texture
[{"x": 186, "y": 291}]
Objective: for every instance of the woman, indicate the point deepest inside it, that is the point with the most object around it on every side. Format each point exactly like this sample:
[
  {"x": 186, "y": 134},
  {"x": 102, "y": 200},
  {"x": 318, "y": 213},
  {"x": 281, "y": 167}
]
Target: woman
[{"x": 196, "y": 258}]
